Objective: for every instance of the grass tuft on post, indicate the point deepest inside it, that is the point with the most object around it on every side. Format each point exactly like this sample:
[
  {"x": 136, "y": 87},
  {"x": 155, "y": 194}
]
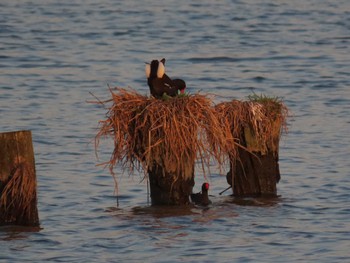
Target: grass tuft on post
[{"x": 261, "y": 118}]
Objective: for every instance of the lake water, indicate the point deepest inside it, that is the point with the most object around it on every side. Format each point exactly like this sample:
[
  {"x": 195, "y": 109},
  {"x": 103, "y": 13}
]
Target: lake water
[{"x": 53, "y": 54}]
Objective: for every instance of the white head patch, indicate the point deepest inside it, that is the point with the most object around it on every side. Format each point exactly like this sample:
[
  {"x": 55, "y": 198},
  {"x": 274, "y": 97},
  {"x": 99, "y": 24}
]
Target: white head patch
[
  {"x": 160, "y": 70},
  {"x": 148, "y": 70}
]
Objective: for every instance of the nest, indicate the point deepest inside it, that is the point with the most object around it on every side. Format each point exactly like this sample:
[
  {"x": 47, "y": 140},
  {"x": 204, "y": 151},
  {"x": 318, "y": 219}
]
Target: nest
[
  {"x": 170, "y": 132},
  {"x": 260, "y": 121}
]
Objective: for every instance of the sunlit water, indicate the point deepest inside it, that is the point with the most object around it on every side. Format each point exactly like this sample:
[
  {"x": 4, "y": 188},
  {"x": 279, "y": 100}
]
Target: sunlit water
[{"x": 53, "y": 54}]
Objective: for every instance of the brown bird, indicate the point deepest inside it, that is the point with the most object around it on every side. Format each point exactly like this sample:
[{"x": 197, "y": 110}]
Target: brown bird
[{"x": 202, "y": 197}]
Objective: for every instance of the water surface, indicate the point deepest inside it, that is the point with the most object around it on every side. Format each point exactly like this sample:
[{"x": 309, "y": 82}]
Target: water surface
[{"x": 53, "y": 54}]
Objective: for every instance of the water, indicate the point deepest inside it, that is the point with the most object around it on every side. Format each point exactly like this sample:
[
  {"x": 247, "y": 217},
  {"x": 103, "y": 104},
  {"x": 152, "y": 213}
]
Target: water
[{"x": 54, "y": 53}]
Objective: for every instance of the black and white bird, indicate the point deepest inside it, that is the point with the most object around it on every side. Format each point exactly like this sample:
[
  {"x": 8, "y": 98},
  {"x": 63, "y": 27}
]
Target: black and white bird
[
  {"x": 160, "y": 83},
  {"x": 201, "y": 198}
]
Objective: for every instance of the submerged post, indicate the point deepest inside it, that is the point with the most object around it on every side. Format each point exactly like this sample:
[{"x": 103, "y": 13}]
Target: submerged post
[
  {"x": 256, "y": 126},
  {"x": 162, "y": 137},
  {"x": 18, "y": 199},
  {"x": 167, "y": 189},
  {"x": 255, "y": 172}
]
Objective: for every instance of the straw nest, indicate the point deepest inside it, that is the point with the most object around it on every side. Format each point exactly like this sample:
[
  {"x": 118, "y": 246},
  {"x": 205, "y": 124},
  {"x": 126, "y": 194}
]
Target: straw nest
[
  {"x": 170, "y": 132},
  {"x": 259, "y": 121},
  {"x": 18, "y": 194}
]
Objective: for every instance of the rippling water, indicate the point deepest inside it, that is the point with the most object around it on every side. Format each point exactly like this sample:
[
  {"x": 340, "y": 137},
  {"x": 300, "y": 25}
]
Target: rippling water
[{"x": 54, "y": 53}]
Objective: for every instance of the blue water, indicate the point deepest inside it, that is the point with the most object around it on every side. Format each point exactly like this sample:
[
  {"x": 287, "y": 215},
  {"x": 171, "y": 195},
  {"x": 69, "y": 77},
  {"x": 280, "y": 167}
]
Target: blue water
[{"x": 53, "y": 54}]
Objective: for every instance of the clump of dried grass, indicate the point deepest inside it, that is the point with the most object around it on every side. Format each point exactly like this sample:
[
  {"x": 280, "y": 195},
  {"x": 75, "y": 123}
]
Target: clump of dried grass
[
  {"x": 260, "y": 119},
  {"x": 18, "y": 194},
  {"x": 171, "y": 132}
]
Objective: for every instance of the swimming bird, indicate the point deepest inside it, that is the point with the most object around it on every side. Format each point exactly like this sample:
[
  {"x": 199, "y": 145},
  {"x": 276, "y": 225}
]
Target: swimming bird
[
  {"x": 159, "y": 82},
  {"x": 202, "y": 197}
]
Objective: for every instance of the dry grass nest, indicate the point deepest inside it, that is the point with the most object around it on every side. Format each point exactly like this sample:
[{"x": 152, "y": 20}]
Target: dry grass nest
[
  {"x": 172, "y": 133},
  {"x": 261, "y": 120}
]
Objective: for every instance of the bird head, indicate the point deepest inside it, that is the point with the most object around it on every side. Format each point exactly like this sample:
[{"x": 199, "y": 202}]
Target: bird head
[
  {"x": 180, "y": 84},
  {"x": 205, "y": 187}
]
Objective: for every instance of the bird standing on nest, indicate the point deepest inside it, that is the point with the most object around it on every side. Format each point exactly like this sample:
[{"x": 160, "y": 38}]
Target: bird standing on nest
[
  {"x": 202, "y": 197},
  {"x": 160, "y": 83}
]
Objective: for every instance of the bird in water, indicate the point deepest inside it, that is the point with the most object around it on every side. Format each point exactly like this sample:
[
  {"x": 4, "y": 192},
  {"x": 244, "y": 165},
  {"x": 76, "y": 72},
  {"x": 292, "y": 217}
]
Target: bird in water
[
  {"x": 202, "y": 197},
  {"x": 160, "y": 83}
]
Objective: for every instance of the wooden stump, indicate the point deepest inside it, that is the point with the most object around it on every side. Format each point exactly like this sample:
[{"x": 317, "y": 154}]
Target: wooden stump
[
  {"x": 170, "y": 188},
  {"x": 255, "y": 171},
  {"x": 18, "y": 200},
  {"x": 254, "y": 174},
  {"x": 255, "y": 126},
  {"x": 163, "y": 137}
]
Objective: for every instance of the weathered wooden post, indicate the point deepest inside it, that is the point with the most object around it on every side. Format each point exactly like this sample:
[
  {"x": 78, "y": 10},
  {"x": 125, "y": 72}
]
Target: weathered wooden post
[
  {"x": 171, "y": 188},
  {"x": 255, "y": 171},
  {"x": 18, "y": 200},
  {"x": 256, "y": 126},
  {"x": 162, "y": 137},
  {"x": 171, "y": 179}
]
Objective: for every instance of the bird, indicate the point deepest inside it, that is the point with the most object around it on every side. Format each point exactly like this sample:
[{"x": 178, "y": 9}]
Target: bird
[
  {"x": 202, "y": 197},
  {"x": 159, "y": 82}
]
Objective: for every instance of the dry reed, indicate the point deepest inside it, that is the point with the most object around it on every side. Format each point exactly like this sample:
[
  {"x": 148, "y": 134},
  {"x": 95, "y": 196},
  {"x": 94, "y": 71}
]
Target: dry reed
[
  {"x": 171, "y": 132},
  {"x": 262, "y": 120},
  {"x": 18, "y": 194}
]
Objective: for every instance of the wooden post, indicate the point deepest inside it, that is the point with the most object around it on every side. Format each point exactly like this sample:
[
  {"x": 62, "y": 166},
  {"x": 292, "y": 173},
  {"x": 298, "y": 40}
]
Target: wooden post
[
  {"x": 170, "y": 188},
  {"x": 254, "y": 174},
  {"x": 255, "y": 171},
  {"x": 18, "y": 200},
  {"x": 167, "y": 186}
]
